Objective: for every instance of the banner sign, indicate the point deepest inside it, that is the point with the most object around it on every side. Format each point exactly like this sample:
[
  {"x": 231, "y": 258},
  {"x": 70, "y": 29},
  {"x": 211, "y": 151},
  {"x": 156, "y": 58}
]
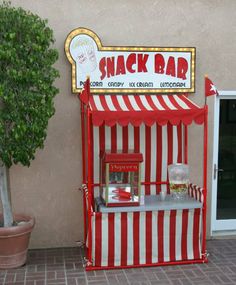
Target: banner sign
[{"x": 128, "y": 69}]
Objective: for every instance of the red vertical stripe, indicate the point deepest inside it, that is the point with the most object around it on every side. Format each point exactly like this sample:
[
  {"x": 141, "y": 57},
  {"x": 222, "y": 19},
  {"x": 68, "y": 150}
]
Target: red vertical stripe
[
  {"x": 111, "y": 238},
  {"x": 124, "y": 243},
  {"x": 170, "y": 143},
  {"x": 136, "y": 218},
  {"x": 159, "y": 156},
  {"x": 180, "y": 143},
  {"x": 184, "y": 234},
  {"x": 149, "y": 234},
  {"x": 113, "y": 139},
  {"x": 125, "y": 139},
  {"x": 160, "y": 223},
  {"x": 92, "y": 162},
  {"x": 196, "y": 229},
  {"x": 98, "y": 239},
  {"x": 136, "y": 139},
  {"x": 147, "y": 158},
  {"x": 102, "y": 138},
  {"x": 172, "y": 235}
]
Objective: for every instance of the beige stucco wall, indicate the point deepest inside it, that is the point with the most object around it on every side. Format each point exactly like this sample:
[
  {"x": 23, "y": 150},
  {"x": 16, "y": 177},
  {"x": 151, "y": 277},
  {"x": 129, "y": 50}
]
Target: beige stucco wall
[{"x": 48, "y": 189}]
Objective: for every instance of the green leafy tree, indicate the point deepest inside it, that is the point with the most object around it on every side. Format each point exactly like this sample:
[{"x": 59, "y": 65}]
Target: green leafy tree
[{"x": 26, "y": 90}]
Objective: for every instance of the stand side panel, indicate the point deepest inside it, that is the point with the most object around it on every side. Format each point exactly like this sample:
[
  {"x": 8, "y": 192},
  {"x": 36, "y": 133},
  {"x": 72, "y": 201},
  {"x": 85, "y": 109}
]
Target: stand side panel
[{"x": 126, "y": 239}]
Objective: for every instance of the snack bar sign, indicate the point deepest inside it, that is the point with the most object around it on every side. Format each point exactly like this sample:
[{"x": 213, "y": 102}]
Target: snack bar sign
[{"x": 128, "y": 69}]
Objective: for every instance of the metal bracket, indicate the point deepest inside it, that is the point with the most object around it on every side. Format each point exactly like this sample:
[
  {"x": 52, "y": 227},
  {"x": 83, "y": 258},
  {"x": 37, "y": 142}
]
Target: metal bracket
[
  {"x": 82, "y": 187},
  {"x": 80, "y": 243},
  {"x": 205, "y": 256},
  {"x": 87, "y": 262}
]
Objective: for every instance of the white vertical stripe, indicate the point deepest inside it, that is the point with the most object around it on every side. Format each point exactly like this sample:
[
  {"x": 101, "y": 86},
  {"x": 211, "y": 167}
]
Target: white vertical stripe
[
  {"x": 117, "y": 254},
  {"x": 130, "y": 238},
  {"x": 96, "y": 192},
  {"x": 107, "y": 138},
  {"x": 98, "y": 103},
  {"x": 181, "y": 103},
  {"x": 178, "y": 233},
  {"x": 104, "y": 251},
  {"x": 190, "y": 234},
  {"x": 183, "y": 145},
  {"x": 175, "y": 144},
  {"x": 119, "y": 137},
  {"x": 154, "y": 237},
  {"x": 156, "y": 102},
  {"x": 131, "y": 136},
  {"x": 142, "y": 238},
  {"x": 164, "y": 157},
  {"x": 166, "y": 236},
  {"x": 133, "y": 103},
  {"x": 96, "y": 149},
  {"x": 168, "y": 102},
  {"x": 122, "y": 103},
  {"x": 153, "y": 157},
  {"x": 142, "y": 138},
  {"x": 145, "y": 102},
  {"x": 110, "y": 103},
  {"x": 153, "y": 189}
]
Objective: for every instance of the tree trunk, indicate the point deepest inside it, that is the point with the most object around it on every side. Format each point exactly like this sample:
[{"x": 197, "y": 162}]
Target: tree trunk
[{"x": 6, "y": 205}]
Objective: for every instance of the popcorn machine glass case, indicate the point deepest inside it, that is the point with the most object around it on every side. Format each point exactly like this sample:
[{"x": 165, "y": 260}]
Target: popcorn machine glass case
[{"x": 120, "y": 178}]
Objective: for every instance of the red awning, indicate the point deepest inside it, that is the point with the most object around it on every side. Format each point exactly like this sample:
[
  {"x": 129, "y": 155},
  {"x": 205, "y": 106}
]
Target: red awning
[{"x": 147, "y": 109}]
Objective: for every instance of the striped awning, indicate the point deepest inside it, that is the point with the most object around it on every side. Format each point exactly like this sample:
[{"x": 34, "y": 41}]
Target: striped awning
[{"x": 147, "y": 109}]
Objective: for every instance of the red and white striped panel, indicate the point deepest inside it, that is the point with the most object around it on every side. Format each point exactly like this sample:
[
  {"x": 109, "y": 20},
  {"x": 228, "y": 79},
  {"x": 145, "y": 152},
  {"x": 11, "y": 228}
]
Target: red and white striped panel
[
  {"x": 136, "y": 238},
  {"x": 160, "y": 146},
  {"x": 135, "y": 109}
]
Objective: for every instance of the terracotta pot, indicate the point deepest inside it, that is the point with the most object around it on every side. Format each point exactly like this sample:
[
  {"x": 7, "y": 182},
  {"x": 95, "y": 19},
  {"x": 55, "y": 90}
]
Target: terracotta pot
[{"x": 14, "y": 242}]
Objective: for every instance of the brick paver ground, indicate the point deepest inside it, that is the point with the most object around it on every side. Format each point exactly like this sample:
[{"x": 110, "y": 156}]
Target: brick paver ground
[{"x": 64, "y": 266}]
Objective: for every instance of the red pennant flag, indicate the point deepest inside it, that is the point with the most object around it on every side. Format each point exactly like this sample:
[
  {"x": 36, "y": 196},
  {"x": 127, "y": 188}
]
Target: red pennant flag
[
  {"x": 210, "y": 89},
  {"x": 85, "y": 93}
]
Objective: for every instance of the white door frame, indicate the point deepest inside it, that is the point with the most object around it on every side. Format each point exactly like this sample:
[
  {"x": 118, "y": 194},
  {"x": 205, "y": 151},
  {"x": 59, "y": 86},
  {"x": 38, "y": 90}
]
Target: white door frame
[{"x": 219, "y": 225}]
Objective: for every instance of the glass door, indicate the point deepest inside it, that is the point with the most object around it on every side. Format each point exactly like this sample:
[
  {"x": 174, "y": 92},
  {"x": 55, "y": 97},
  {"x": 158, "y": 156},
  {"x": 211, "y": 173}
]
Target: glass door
[
  {"x": 225, "y": 167},
  {"x": 226, "y": 192}
]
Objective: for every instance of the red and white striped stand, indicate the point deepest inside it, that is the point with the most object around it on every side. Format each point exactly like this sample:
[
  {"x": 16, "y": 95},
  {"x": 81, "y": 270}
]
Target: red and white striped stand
[{"x": 157, "y": 127}]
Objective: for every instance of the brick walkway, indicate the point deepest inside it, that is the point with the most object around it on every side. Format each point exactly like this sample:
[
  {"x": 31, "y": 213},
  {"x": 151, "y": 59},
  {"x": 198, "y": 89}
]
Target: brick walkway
[{"x": 64, "y": 266}]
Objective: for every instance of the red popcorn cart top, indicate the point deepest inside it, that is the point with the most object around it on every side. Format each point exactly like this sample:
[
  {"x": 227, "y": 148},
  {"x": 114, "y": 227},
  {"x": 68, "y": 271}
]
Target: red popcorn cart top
[{"x": 120, "y": 178}]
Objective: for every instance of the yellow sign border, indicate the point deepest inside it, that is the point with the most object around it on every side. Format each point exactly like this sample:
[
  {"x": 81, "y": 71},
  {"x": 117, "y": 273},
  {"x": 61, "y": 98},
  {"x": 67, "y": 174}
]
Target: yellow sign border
[{"x": 90, "y": 33}]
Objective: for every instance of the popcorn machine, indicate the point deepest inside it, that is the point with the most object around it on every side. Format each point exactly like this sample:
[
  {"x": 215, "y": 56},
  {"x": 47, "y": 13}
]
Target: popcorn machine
[{"x": 120, "y": 178}]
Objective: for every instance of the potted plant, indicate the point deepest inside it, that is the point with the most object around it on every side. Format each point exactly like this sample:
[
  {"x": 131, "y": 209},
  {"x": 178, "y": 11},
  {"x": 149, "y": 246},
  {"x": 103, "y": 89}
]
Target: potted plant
[{"x": 26, "y": 104}]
